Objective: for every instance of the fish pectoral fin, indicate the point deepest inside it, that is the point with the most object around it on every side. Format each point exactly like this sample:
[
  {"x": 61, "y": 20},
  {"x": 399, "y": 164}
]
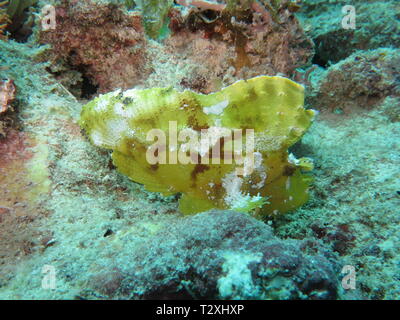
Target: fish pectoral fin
[{"x": 138, "y": 173}]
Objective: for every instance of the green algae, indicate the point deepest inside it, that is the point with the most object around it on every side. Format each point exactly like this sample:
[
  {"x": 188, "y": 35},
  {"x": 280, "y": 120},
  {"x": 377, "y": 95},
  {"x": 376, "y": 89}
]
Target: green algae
[{"x": 155, "y": 16}]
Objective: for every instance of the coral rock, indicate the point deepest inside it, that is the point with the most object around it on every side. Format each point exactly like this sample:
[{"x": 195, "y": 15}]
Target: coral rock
[
  {"x": 363, "y": 80},
  {"x": 100, "y": 41},
  {"x": 227, "y": 255},
  {"x": 239, "y": 42},
  {"x": 377, "y": 25}
]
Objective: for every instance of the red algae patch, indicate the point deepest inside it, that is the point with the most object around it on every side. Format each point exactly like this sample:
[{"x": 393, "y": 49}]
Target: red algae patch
[{"x": 19, "y": 202}]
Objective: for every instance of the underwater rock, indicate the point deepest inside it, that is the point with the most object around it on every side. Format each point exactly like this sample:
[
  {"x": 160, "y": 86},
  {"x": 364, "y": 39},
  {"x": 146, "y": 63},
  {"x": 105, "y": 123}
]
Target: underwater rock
[
  {"x": 24, "y": 153},
  {"x": 19, "y": 208},
  {"x": 109, "y": 48},
  {"x": 221, "y": 255},
  {"x": 363, "y": 80},
  {"x": 205, "y": 157},
  {"x": 377, "y": 25},
  {"x": 100, "y": 41},
  {"x": 239, "y": 42}
]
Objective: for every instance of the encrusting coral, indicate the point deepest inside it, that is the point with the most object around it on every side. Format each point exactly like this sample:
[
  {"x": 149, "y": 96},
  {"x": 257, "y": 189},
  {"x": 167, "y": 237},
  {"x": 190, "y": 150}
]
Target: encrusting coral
[
  {"x": 265, "y": 114},
  {"x": 99, "y": 41}
]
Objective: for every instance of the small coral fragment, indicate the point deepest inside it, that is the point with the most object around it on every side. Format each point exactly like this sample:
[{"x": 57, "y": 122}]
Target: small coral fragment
[
  {"x": 227, "y": 149},
  {"x": 7, "y": 94},
  {"x": 201, "y": 4}
]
